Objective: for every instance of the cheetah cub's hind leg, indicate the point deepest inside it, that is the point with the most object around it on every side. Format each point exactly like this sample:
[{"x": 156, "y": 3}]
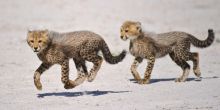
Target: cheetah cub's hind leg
[
  {"x": 186, "y": 69},
  {"x": 184, "y": 65},
  {"x": 97, "y": 61},
  {"x": 82, "y": 72},
  {"x": 195, "y": 58}
]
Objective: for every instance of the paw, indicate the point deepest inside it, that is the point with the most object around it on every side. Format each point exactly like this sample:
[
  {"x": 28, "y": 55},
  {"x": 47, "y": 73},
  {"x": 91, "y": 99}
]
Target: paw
[
  {"x": 90, "y": 78},
  {"x": 197, "y": 72},
  {"x": 69, "y": 85},
  {"x": 37, "y": 82},
  {"x": 198, "y": 79},
  {"x": 143, "y": 81},
  {"x": 179, "y": 80},
  {"x": 137, "y": 78}
]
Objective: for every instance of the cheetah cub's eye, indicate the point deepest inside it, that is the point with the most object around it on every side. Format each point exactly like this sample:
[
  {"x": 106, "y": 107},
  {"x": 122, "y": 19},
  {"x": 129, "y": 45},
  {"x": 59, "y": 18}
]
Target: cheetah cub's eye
[
  {"x": 32, "y": 41},
  {"x": 39, "y": 41},
  {"x": 126, "y": 30}
]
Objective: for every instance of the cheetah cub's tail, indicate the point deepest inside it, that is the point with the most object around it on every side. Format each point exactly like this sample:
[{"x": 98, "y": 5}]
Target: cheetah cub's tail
[
  {"x": 203, "y": 43},
  {"x": 109, "y": 57}
]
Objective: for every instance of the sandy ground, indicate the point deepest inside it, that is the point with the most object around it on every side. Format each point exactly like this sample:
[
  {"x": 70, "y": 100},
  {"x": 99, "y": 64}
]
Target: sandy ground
[{"x": 113, "y": 88}]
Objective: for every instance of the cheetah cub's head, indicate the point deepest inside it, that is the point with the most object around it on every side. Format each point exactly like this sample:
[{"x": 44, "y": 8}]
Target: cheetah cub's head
[
  {"x": 38, "y": 40},
  {"x": 130, "y": 30}
]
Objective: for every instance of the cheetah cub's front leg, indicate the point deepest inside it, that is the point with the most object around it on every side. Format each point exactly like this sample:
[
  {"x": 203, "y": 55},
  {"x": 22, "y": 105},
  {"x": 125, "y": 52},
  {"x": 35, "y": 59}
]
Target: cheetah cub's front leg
[
  {"x": 43, "y": 67},
  {"x": 68, "y": 84},
  {"x": 134, "y": 66},
  {"x": 147, "y": 75}
]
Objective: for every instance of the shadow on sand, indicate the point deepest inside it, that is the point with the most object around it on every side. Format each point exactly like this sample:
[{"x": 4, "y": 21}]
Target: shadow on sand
[
  {"x": 76, "y": 94},
  {"x": 173, "y": 79}
]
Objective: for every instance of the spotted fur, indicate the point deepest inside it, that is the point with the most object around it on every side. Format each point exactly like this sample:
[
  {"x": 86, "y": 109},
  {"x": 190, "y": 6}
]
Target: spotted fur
[
  {"x": 81, "y": 46},
  {"x": 144, "y": 45}
]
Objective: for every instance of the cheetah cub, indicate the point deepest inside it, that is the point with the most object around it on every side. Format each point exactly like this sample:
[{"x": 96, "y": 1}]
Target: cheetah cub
[
  {"x": 177, "y": 44},
  {"x": 57, "y": 48}
]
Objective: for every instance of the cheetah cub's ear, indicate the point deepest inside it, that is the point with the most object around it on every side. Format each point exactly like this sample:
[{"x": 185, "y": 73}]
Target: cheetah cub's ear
[
  {"x": 138, "y": 25},
  {"x": 29, "y": 33},
  {"x": 29, "y": 30},
  {"x": 45, "y": 32}
]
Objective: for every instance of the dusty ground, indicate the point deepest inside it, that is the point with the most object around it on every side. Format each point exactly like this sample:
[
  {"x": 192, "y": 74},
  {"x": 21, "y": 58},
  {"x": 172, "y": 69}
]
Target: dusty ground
[{"x": 113, "y": 88}]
